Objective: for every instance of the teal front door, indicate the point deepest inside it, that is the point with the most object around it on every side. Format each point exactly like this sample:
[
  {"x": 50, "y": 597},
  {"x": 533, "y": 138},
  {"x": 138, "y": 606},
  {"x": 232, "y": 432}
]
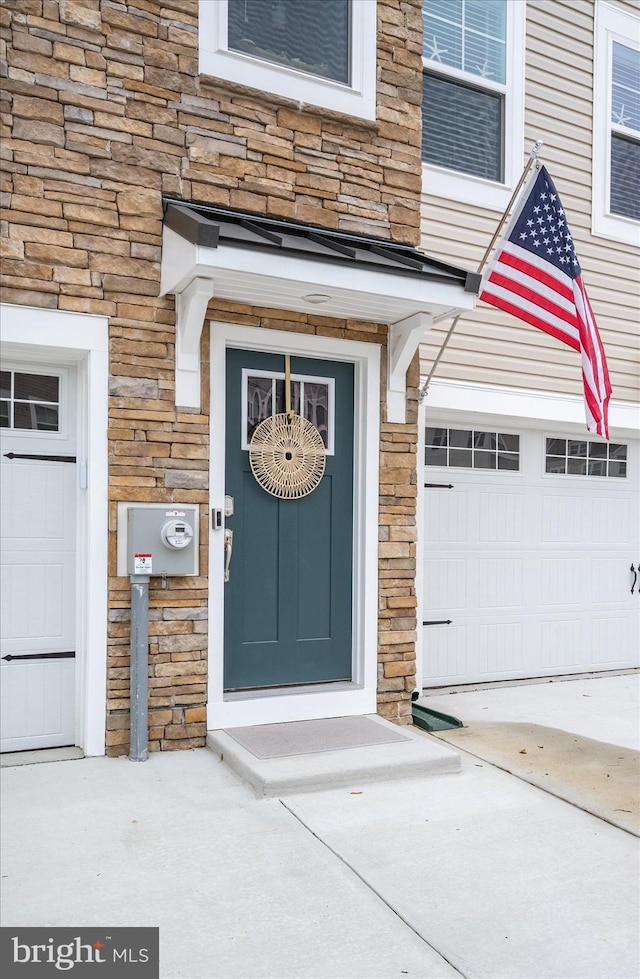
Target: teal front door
[{"x": 288, "y": 599}]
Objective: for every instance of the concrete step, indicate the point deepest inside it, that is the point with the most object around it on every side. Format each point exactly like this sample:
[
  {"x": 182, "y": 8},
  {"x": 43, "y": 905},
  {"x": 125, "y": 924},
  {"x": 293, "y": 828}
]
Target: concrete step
[{"x": 418, "y": 755}]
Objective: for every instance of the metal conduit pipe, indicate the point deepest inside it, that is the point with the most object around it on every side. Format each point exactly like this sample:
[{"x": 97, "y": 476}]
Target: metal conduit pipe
[{"x": 139, "y": 673}]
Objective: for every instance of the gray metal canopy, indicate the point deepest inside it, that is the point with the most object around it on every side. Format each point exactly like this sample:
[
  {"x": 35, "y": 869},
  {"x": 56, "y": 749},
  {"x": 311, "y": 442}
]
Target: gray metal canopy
[
  {"x": 284, "y": 265},
  {"x": 213, "y": 226}
]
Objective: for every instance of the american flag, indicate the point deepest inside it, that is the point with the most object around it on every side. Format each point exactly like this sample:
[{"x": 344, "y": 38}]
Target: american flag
[{"x": 535, "y": 275}]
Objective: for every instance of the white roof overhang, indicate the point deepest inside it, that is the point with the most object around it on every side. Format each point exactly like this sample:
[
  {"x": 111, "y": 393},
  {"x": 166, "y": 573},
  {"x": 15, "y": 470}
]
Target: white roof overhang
[{"x": 311, "y": 273}]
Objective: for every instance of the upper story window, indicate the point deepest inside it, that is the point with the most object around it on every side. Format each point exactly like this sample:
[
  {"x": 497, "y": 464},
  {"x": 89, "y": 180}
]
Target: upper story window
[
  {"x": 321, "y": 53},
  {"x": 308, "y": 37},
  {"x": 624, "y": 194},
  {"x": 473, "y": 99},
  {"x": 616, "y": 141}
]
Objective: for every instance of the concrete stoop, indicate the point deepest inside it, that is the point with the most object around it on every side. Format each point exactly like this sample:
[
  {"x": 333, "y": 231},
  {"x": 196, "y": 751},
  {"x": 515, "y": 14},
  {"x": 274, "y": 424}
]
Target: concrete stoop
[{"x": 417, "y": 756}]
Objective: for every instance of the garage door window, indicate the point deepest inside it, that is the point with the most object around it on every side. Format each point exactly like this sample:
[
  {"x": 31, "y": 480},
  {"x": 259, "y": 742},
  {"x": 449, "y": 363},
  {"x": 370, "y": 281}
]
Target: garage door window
[
  {"x": 470, "y": 449},
  {"x": 29, "y": 401},
  {"x": 574, "y": 457}
]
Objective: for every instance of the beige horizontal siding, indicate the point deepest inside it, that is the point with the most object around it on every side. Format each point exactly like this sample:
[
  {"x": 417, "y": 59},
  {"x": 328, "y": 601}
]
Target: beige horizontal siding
[{"x": 492, "y": 347}]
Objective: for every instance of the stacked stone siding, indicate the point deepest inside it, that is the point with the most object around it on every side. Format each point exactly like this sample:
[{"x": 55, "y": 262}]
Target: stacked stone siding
[{"x": 103, "y": 112}]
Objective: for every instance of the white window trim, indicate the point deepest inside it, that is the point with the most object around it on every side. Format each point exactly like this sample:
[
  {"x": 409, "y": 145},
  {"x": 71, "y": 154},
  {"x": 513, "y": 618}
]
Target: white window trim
[
  {"x": 612, "y": 24},
  {"x": 463, "y": 187},
  {"x": 356, "y": 99}
]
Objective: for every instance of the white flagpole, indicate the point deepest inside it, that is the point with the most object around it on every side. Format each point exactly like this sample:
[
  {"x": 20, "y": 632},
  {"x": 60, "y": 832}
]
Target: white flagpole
[{"x": 533, "y": 159}]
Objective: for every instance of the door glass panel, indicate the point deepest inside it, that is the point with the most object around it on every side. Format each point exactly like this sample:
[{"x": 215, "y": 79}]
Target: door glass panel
[
  {"x": 468, "y": 449},
  {"x": 281, "y": 402},
  {"x": 460, "y": 457},
  {"x": 460, "y": 438},
  {"x": 31, "y": 402},
  {"x": 310, "y": 396},
  {"x": 577, "y": 458},
  {"x": 259, "y": 402},
  {"x": 35, "y": 387},
  {"x": 316, "y": 407},
  {"x": 484, "y": 460},
  {"x": 508, "y": 460},
  {"x": 42, "y": 418}
]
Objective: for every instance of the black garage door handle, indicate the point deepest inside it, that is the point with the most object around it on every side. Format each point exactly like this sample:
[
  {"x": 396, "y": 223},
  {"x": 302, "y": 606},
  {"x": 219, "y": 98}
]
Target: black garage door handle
[{"x": 67, "y": 655}]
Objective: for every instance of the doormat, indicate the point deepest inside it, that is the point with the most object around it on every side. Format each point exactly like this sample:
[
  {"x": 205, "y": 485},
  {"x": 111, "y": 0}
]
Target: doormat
[{"x": 307, "y": 737}]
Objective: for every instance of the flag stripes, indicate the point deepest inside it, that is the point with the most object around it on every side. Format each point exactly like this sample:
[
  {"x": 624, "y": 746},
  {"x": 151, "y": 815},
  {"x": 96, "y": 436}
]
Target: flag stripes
[{"x": 535, "y": 276}]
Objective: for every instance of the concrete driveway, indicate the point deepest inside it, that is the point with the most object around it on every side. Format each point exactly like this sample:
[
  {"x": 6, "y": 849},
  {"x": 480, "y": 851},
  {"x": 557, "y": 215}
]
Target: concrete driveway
[
  {"x": 476, "y": 874},
  {"x": 577, "y": 739}
]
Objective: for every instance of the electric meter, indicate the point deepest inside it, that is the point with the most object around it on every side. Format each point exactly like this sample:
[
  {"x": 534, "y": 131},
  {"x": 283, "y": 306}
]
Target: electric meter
[{"x": 176, "y": 533}]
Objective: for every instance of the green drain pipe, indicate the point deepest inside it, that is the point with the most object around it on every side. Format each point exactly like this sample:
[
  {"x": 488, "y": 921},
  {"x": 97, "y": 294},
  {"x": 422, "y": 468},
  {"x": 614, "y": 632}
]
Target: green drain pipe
[{"x": 433, "y": 720}]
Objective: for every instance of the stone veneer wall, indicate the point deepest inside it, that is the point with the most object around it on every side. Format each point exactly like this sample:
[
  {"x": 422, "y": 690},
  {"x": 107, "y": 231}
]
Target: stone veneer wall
[{"x": 102, "y": 112}]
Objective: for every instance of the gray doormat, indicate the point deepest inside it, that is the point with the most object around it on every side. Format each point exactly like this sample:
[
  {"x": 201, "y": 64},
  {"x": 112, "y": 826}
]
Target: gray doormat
[{"x": 307, "y": 737}]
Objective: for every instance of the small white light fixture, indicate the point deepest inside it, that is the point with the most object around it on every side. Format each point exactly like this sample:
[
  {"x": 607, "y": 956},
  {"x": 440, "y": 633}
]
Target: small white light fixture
[{"x": 316, "y": 298}]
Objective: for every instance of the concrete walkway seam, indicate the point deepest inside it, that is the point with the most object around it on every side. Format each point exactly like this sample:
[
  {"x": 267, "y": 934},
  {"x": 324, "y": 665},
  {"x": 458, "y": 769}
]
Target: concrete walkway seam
[{"x": 377, "y": 894}]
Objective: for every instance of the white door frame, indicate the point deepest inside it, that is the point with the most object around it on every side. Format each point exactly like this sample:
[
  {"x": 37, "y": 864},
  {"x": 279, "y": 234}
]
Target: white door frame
[
  {"x": 51, "y": 336},
  {"x": 358, "y": 696}
]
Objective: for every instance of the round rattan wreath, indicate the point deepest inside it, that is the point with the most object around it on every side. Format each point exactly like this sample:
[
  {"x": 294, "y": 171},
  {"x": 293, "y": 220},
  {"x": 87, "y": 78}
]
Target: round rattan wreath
[{"x": 286, "y": 452}]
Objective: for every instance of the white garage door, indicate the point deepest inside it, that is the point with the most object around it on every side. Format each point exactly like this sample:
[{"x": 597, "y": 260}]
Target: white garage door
[
  {"x": 37, "y": 531},
  {"x": 528, "y": 555}
]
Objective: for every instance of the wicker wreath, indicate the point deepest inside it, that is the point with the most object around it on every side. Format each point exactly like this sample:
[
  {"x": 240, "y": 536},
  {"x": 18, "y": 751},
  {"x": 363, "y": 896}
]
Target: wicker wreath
[{"x": 287, "y": 456}]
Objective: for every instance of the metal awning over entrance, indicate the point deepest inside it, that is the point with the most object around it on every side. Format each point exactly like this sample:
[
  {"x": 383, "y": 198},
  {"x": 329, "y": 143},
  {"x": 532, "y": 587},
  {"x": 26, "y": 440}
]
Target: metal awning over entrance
[{"x": 240, "y": 257}]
